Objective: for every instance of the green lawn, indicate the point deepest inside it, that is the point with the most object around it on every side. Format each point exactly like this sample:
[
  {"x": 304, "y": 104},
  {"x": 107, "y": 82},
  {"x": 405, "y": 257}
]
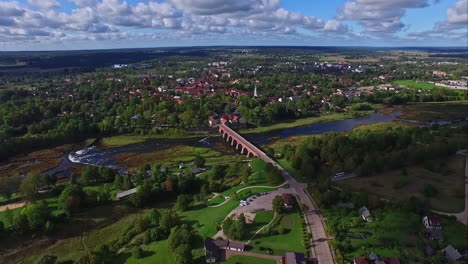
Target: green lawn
[
  {"x": 417, "y": 85},
  {"x": 216, "y": 200},
  {"x": 158, "y": 252},
  {"x": 206, "y": 220},
  {"x": 292, "y": 240},
  {"x": 261, "y": 218},
  {"x": 247, "y": 260},
  {"x": 116, "y": 141},
  {"x": 455, "y": 234}
]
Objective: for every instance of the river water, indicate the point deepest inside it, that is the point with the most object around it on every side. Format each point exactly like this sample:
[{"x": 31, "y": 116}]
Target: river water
[{"x": 104, "y": 157}]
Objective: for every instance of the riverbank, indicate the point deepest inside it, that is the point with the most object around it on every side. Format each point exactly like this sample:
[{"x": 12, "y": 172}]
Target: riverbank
[
  {"x": 307, "y": 121},
  {"x": 435, "y": 111},
  {"x": 122, "y": 140},
  {"x": 37, "y": 161}
]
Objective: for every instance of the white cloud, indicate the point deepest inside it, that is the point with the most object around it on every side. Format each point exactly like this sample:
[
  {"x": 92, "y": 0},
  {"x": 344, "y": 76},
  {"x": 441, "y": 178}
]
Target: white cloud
[
  {"x": 212, "y": 7},
  {"x": 458, "y": 14},
  {"x": 381, "y": 16},
  {"x": 11, "y": 9},
  {"x": 44, "y": 4}
]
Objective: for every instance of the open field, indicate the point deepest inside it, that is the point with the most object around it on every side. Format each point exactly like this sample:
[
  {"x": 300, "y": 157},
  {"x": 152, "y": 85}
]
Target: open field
[
  {"x": 12, "y": 87},
  {"x": 170, "y": 155},
  {"x": 393, "y": 185},
  {"x": 247, "y": 260},
  {"x": 436, "y": 111},
  {"x": 418, "y": 85},
  {"x": 291, "y": 240},
  {"x": 116, "y": 141}
]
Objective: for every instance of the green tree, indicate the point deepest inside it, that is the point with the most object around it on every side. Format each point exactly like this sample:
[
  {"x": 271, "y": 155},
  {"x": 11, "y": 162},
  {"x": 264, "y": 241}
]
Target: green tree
[
  {"x": 89, "y": 175},
  {"x": 180, "y": 235},
  {"x": 199, "y": 161},
  {"x": 137, "y": 253},
  {"x": 183, "y": 202},
  {"x": 278, "y": 204},
  {"x": 169, "y": 219},
  {"x": 37, "y": 215},
  {"x": 29, "y": 187},
  {"x": 183, "y": 254},
  {"x": 219, "y": 171},
  {"x": 71, "y": 198}
]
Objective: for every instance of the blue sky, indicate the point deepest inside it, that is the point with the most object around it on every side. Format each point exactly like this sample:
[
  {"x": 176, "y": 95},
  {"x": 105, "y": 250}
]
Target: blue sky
[{"x": 90, "y": 24}]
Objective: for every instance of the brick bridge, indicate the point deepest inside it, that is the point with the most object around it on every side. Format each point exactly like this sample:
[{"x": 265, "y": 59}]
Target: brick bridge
[
  {"x": 237, "y": 141},
  {"x": 314, "y": 221}
]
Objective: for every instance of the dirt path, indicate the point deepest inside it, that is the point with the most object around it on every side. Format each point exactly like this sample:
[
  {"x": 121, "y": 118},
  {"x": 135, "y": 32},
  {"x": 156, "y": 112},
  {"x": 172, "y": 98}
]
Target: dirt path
[
  {"x": 230, "y": 254},
  {"x": 260, "y": 230},
  {"x": 12, "y": 206},
  {"x": 221, "y": 204},
  {"x": 252, "y": 187}
]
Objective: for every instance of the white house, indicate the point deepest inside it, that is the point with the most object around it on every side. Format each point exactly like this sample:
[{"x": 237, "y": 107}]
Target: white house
[
  {"x": 365, "y": 214},
  {"x": 432, "y": 222}
]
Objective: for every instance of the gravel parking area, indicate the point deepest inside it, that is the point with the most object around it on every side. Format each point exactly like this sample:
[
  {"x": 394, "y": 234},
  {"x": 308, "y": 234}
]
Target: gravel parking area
[{"x": 261, "y": 203}]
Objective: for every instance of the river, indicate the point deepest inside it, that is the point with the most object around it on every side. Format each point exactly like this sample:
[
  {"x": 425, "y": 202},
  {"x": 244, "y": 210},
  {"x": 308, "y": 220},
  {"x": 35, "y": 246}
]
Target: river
[{"x": 104, "y": 157}]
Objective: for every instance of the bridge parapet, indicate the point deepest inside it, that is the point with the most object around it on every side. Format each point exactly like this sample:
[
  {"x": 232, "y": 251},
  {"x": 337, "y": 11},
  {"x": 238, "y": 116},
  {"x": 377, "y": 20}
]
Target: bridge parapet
[{"x": 237, "y": 141}]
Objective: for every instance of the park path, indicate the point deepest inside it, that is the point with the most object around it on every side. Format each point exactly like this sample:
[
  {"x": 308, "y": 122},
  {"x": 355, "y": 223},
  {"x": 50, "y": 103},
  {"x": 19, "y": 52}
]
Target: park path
[
  {"x": 230, "y": 254},
  {"x": 12, "y": 206},
  {"x": 221, "y": 204},
  {"x": 260, "y": 230},
  {"x": 253, "y": 187}
]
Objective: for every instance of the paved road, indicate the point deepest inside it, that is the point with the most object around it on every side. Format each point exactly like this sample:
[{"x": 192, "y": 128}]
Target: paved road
[{"x": 312, "y": 217}]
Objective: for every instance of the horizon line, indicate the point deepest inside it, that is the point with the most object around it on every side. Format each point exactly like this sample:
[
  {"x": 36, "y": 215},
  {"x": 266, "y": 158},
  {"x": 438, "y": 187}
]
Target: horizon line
[{"x": 238, "y": 46}]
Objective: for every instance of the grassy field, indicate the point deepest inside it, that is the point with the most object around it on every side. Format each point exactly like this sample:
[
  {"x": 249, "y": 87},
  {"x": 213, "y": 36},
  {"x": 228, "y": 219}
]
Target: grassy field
[
  {"x": 417, "y": 85},
  {"x": 436, "y": 111},
  {"x": 216, "y": 200},
  {"x": 455, "y": 233},
  {"x": 448, "y": 184},
  {"x": 158, "y": 252},
  {"x": 247, "y": 260},
  {"x": 280, "y": 243},
  {"x": 116, "y": 141},
  {"x": 169, "y": 157},
  {"x": 261, "y": 218},
  {"x": 305, "y": 121}
]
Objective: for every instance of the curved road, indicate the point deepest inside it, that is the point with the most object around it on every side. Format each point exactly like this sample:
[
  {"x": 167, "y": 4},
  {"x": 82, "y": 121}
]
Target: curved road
[{"x": 312, "y": 217}]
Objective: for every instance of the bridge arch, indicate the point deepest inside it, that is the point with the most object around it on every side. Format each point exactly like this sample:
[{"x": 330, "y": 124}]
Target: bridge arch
[{"x": 237, "y": 141}]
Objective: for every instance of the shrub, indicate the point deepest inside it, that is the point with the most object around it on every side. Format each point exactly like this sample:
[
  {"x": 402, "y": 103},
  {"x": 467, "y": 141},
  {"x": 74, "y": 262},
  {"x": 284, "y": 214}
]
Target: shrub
[
  {"x": 137, "y": 253},
  {"x": 430, "y": 191},
  {"x": 47, "y": 259}
]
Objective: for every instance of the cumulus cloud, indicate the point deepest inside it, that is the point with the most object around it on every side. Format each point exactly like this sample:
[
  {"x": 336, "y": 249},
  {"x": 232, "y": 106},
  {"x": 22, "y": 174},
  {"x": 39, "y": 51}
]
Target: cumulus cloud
[
  {"x": 198, "y": 20},
  {"x": 381, "y": 16},
  {"x": 44, "y": 4},
  {"x": 212, "y": 7},
  {"x": 457, "y": 19},
  {"x": 9, "y": 9}
]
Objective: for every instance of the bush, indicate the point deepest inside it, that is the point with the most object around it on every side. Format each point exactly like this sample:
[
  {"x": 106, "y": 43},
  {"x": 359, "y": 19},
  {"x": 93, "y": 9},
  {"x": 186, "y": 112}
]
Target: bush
[
  {"x": 430, "y": 191},
  {"x": 47, "y": 259},
  {"x": 137, "y": 253}
]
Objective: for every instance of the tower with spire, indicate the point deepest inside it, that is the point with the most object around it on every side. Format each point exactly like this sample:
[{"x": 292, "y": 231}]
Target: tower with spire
[{"x": 255, "y": 92}]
